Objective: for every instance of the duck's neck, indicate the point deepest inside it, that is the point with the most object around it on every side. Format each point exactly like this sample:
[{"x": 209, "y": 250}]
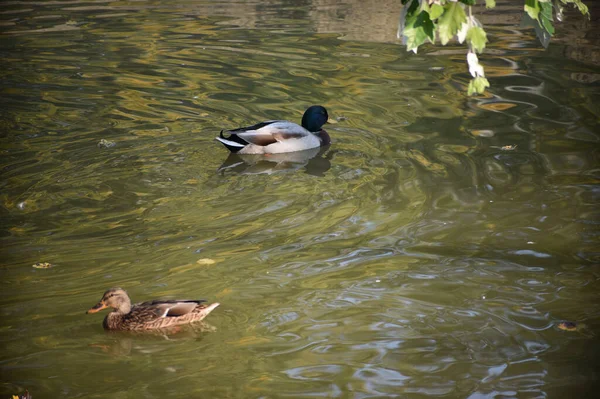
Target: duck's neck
[
  {"x": 113, "y": 320},
  {"x": 124, "y": 308},
  {"x": 324, "y": 136}
]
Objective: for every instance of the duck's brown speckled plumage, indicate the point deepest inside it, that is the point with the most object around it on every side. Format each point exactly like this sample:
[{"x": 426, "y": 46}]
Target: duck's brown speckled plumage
[{"x": 150, "y": 315}]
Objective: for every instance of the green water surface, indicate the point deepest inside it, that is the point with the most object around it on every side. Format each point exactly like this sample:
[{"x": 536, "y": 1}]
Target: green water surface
[{"x": 413, "y": 258}]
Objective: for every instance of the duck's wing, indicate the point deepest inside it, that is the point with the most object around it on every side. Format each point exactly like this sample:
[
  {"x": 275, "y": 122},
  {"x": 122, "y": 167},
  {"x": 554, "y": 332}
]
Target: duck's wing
[
  {"x": 170, "y": 308},
  {"x": 268, "y": 132}
]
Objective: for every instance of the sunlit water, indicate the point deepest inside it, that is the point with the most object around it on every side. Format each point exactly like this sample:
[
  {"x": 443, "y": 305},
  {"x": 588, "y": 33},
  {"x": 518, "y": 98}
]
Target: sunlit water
[{"x": 413, "y": 258}]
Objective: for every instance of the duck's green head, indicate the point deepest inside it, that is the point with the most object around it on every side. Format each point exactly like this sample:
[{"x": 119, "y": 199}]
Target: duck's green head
[{"x": 314, "y": 118}]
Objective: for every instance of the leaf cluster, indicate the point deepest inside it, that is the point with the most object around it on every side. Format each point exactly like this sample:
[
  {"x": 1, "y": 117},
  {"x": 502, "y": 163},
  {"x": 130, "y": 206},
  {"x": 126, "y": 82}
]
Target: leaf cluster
[{"x": 424, "y": 21}]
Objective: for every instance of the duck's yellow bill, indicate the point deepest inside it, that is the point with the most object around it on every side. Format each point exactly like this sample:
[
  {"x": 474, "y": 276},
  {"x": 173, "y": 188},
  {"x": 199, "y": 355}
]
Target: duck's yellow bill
[{"x": 97, "y": 307}]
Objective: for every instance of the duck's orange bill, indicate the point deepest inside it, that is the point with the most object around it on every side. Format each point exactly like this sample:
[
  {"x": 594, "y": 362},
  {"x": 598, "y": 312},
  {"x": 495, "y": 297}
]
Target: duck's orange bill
[{"x": 97, "y": 307}]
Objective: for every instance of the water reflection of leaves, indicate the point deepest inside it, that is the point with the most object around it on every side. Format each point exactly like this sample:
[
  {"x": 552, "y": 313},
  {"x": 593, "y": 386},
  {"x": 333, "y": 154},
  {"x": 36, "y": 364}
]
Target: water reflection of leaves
[
  {"x": 425, "y": 162},
  {"x": 192, "y": 266}
]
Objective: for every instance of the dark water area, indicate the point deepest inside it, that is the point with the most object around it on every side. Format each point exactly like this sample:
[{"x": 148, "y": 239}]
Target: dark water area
[{"x": 431, "y": 251}]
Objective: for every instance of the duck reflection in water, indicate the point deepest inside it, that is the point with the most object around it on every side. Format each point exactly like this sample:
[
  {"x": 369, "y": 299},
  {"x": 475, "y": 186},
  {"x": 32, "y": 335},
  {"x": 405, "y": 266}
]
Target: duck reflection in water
[
  {"x": 315, "y": 161},
  {"x": 123, "y": 343}
]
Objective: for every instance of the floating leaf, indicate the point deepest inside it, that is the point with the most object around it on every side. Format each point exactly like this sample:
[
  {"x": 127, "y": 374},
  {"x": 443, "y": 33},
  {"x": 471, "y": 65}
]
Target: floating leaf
[
  {"x": 27, "y": 395},
  {"x": 206, "y": 261},
  {"x": 567, "y": 326},
  {"x": 42, "y": 265},
  {"x": 106, "y": 143},
  {"x": 490, "y": 3}
]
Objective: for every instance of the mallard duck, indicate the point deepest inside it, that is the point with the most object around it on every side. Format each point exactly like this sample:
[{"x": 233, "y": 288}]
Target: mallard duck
[
  {"x": 274, "y": 137},
  {"x": 149, "y": 315}
]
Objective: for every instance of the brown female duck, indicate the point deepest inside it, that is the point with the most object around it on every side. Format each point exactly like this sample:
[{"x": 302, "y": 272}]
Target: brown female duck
[{"x": 149, "y": 315}]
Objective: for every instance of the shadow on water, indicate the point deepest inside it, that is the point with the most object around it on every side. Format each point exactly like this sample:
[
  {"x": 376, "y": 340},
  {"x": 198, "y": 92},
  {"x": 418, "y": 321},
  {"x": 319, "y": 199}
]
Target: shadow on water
[{"x": 431, "y": 251}]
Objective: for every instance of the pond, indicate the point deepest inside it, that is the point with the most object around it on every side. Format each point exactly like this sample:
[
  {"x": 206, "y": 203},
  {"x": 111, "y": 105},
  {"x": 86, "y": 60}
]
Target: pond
[{"x": 431, "y": 251}]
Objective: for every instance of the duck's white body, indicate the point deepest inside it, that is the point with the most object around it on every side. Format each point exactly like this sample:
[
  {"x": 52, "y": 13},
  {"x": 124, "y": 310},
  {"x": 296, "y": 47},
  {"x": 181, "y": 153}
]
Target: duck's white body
[
  {"x": 271, "y": 137},
  {"x": 277, "y": 136}
]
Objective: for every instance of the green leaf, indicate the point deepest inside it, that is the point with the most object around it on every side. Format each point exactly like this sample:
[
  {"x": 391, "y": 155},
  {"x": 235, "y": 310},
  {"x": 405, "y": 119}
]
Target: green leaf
[
  {"x": 412, "y": 8},
  {"x": 579, "y": 4},
  {"x": 490, "y": 3},
  {"x": 414, "y": 38},
  {"x": 477, "y": 85},
  {"x": 418, "y": 30},
  {"x": 435, "y": 11},
  {"x": 408, "y": 16},
  {"x": 477, "y": 37},
  {"x": 546, "y": 18},
  {"x": 540, "y": 32},
  {"x": 532, "y": 7},
  {"x": 468, "y": 2},
  {"x": 547, "y": 24},
  {"x": 546, "y": 10},
  {"x": 450, "y": 22},
  {"x": 539, "y": 15},
  {"x": 424, "y": 22}
]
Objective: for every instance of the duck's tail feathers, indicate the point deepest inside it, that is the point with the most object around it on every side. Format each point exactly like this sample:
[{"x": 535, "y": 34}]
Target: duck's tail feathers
[
  {"x": 206, "y": 310},
  {"x": 233, "y": 142}
]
